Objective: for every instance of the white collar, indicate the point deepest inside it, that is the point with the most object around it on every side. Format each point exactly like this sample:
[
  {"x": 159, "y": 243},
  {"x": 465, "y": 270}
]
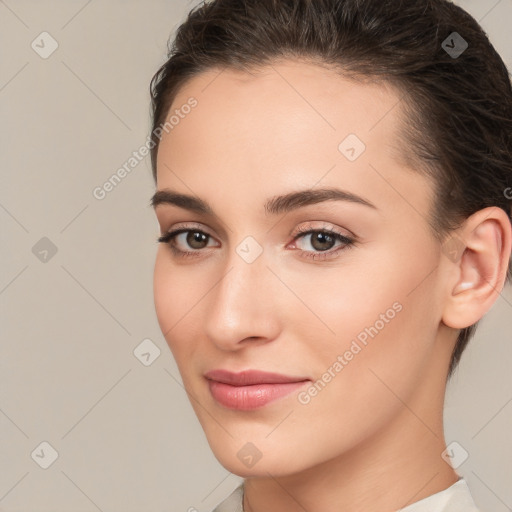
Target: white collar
[{"x": 456, "y": 498}]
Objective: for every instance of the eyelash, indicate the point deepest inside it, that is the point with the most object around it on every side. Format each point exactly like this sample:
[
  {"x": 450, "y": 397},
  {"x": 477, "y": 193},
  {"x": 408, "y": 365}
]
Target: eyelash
[{"x": 347, "y": 242}]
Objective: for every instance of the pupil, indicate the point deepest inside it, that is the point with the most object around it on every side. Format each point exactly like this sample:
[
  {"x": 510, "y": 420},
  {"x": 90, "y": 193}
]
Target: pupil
[
  {"x": 323, "y": 238},
  {"x": 194, "y": 237}
]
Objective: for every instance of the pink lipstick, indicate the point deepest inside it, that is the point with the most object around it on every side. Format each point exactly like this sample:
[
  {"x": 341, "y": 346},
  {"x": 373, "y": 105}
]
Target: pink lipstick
[{"x": 250, "y": 389}]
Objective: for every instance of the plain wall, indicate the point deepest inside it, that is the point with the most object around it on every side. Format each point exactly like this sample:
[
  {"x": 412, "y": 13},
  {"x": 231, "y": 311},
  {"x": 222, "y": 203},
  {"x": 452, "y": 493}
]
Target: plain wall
[{"x": 126, "y": 436}]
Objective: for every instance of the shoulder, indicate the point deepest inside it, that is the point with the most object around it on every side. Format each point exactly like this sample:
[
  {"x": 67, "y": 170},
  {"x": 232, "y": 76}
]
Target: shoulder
[{"x": 456, "y": 498}]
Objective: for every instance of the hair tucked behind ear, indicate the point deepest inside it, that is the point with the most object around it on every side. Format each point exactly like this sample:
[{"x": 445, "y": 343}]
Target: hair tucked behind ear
[{"x": 458, "y": 124}]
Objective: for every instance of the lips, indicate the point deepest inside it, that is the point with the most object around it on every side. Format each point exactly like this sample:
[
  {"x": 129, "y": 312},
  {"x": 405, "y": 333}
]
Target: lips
[{"x": 250, "y": 389}]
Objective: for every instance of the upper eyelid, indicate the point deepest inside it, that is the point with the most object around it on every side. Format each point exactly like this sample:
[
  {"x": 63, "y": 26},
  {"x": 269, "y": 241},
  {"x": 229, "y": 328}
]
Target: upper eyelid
[
  {"x": 188, "y": 227},
  {"x": 298, "y": 231},
  {"x": 327, "y": 226}
]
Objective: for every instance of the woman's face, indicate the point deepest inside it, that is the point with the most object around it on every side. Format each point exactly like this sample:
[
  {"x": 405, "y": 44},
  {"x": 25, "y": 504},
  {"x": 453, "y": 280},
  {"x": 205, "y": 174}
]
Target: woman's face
[{"x": 354, "y": 307}]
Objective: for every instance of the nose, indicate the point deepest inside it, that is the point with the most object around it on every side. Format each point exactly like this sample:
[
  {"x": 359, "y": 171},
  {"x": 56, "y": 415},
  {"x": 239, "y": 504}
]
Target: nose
[{"x": 242, "y": 306}]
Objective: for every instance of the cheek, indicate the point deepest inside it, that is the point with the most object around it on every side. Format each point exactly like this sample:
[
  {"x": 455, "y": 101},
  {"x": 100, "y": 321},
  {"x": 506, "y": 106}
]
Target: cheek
[
  {"x": 173, "y": 297},
  {"x": 176, "y": 303},
  {"x": 163, "y": 292},
  {"x": 380, "y": 316},
  {"x": 359, "y": 392}
]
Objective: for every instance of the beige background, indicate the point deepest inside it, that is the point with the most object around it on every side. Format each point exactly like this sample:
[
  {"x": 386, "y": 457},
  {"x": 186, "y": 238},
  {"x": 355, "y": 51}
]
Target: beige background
[{"x": 126, "y": 436}]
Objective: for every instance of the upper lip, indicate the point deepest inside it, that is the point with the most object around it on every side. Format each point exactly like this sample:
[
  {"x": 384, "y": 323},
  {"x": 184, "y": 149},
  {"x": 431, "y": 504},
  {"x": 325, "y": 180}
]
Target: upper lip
[{"x": 249, "y": 377}]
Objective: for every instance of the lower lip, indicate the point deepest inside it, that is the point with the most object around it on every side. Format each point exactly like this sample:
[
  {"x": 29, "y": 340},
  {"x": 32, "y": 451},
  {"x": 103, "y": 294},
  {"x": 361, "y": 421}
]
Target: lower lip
[{"x": 246, "y": 398}]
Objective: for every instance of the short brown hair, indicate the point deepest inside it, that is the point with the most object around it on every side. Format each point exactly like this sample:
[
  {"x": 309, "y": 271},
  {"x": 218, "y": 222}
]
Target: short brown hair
[{"x": 458, "y": 128}]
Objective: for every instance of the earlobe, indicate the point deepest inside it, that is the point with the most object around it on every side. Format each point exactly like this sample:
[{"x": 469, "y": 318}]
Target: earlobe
[{"x": 481, "y": 270}]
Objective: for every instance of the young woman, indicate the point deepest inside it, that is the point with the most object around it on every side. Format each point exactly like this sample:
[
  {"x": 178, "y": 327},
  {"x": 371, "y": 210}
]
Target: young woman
[{"x": 333, "y": 184}]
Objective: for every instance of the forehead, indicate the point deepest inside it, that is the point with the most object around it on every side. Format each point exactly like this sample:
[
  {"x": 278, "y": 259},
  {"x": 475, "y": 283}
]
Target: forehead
[
  {"x": 287, "y": 103},
  {"x": 305, "y": 87},
  {"x": 281, "y": 126}
]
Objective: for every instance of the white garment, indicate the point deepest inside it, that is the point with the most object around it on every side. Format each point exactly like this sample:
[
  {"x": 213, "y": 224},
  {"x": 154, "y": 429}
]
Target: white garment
[{"x": 456, "y": 498}]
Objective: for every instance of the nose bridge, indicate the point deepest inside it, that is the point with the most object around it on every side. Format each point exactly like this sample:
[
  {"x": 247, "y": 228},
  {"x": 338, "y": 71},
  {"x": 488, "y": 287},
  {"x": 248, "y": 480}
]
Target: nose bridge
[{"x": 241, "y": 304}]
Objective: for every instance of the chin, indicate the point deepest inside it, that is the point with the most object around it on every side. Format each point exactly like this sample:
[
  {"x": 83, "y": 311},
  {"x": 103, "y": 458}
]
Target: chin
[
  {"x": 254, "y": 459},
  {"x": 262, "y": 468}
]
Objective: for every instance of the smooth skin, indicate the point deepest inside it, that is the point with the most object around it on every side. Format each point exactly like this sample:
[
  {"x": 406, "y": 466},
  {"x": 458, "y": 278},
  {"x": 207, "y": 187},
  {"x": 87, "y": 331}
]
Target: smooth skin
[{"x": 372, "y": 438}]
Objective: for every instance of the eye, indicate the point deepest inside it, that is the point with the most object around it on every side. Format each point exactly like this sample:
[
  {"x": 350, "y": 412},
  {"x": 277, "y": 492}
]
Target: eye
[
  {"x": 322, "y": 241},
  {"x": 195, "y": 239}
]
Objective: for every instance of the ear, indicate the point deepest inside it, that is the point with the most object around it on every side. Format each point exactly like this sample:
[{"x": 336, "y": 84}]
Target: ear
[{"x": 478, "y": 256}]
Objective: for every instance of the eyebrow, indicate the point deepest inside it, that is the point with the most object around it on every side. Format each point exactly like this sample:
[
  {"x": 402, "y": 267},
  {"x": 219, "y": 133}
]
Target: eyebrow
[{"x": 273, "y": 206}]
